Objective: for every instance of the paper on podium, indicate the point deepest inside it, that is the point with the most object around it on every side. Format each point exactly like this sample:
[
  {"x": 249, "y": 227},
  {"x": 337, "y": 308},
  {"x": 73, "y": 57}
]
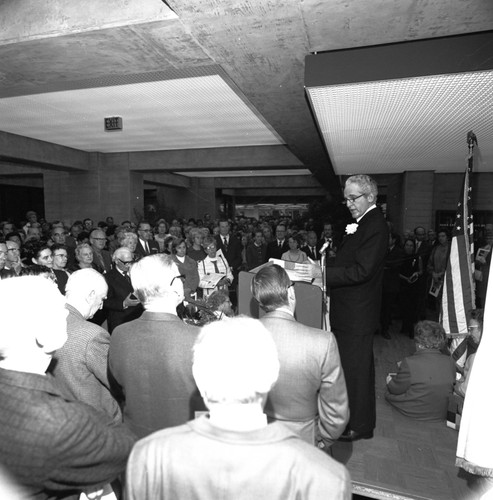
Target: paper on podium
[
  {"x": 211, "y": 280},
  {"x": 291, "y": 269}
]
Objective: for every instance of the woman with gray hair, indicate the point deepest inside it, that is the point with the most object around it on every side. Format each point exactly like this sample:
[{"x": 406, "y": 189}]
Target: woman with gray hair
[{"x": 421, "y": 387}]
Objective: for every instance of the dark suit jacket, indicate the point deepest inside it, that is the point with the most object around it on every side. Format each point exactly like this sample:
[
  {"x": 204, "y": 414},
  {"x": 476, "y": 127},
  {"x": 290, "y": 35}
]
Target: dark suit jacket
[
  {"x": 255, "y": 256},
  {"x": 105, "y": 267},
  {"x": 140, "y": 252},
  {"x": 309, "y": 252},
  {"x": 233, "y": 254},
  {"x": 151, "y": 365},
  {"x": 310, "y": 394},
  {"x": 274, "y": 252},
  {"x": 393, "y": 261},
  {"x": 118, "y": 290},
  {"x": 422, "y": 385},
  {"x": 355, "y": 277}
]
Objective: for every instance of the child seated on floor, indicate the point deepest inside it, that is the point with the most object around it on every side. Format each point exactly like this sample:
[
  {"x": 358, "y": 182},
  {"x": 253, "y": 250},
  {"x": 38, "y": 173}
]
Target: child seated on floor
[{"x": 421, "y": 387}]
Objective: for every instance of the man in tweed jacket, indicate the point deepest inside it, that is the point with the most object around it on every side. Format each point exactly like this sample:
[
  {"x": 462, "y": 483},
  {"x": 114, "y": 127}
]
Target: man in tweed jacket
[
  {"x": 53, "y": 447},
  {"x": 81, "y": 365}
]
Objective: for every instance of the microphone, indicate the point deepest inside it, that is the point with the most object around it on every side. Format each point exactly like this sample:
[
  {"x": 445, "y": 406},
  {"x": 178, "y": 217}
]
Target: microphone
[{"x": 324, "y": 247}]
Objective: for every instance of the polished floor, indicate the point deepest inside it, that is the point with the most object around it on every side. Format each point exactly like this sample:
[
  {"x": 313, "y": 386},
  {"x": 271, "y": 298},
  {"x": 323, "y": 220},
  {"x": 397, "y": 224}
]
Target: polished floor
[{"x": 406, "y": 459}]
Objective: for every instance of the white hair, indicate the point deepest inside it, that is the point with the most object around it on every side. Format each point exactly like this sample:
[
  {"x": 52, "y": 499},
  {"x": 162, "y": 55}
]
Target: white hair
[
  {"x": 36, "y": 313},
  {"x": 235, "y": 360},
  {"x": 365, "y": 183},
  {"x": 82, "y": 282},
  {"x": 151, "y": 277},
  {"x": 121, "y": 252}
]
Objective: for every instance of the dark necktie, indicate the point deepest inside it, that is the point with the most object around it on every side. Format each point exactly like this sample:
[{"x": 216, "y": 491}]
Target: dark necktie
[
  {"x": 314, "y": 252},
  {"x": 225, "y": 244},
  {"x": 216, "y": 269},
  {"x": 280, "y": 244},
  {"x": 147, "y": 248},
  {"x": 126, "y": 276}
]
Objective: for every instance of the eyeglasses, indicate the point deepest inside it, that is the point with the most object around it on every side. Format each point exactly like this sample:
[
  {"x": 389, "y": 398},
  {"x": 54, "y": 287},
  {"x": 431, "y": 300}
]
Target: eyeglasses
[
  {"x": 352, "y": 199},
  {"x": 125, "y": 262},
  {"x": 180, "y": 277},
  {"x": 211, "y": 247}
]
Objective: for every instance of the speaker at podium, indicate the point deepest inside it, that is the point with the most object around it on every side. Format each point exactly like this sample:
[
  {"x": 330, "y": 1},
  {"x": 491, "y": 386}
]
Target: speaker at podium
[{"x": 310, "y": 308}]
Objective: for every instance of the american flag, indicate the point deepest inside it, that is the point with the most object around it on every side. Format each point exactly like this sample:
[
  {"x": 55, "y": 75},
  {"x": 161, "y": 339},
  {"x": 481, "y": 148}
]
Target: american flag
[{"x": 458, "y": 286}]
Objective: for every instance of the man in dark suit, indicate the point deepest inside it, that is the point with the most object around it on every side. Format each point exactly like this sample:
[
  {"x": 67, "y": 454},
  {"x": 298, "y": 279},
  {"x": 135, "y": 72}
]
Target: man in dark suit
[
  {"x": 81, "y": 365},
  {"x": 256, "y": 251},
  {"x": 230, "y": 246},
  {"x": 312, "y": 247},
  {"x": 276, "y": 248},
  {"x": 121, "y": 305},
  {"x": 101, "y": 257},
  {"x": 310, "y": 394},
  {"x": 145, "y": 244},
  {"x": 150, "y": 358},
  {"x": 355, "y": 281}
]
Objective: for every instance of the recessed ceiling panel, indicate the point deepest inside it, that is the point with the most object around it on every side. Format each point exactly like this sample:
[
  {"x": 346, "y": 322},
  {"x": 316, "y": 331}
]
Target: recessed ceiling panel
[
  {"x": 406, "y": 124},
  {"x": 188, "y": 113}
]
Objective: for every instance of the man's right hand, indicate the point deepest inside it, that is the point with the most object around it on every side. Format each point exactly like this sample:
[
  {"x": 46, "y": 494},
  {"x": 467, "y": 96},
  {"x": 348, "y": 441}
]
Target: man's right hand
[{"x": 129, "y": 301}]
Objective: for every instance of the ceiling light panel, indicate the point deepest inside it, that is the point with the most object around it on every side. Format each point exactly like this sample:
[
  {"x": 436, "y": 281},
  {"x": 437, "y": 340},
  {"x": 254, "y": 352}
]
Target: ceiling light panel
[
  {"x": 188, "y": 113},
  {"x": 408, "y": 124}
]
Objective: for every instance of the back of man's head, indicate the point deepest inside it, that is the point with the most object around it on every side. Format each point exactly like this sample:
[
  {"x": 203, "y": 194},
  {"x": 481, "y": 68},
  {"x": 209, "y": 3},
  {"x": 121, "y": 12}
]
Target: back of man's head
[
  {"x": 36, "y": 318},
  {"x": 235, "y": 361},
  {"x": 156, "y": 277},
  {"x": 270, "y": 287},
  {"x": 85, "y": 290}
]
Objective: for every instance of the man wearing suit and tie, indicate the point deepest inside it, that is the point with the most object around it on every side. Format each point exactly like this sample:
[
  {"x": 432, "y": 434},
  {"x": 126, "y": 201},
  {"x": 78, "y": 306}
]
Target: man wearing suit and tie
[
  {"x": 276, "y": 248},
  {"x": 120, "y": 305},
  {"x": 355, "y": 277},
  {"x": 355, "y": 281},
  {"x": 312, "y": 247},
  {"x": 310, "y": 394},
  {"x": 145, "y": 244}
]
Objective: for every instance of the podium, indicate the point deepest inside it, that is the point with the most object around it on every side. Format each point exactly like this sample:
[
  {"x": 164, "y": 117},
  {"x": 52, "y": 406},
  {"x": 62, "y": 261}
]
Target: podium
[{"x": 309, "y": 301}]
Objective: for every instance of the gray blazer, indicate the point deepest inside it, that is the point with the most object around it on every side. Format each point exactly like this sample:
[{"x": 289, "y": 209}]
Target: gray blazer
[{"x": 310, "y": 394}]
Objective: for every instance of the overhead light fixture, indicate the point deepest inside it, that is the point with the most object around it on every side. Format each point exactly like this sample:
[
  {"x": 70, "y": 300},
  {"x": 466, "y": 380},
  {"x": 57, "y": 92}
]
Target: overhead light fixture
[{"x": 402, "y": 107}]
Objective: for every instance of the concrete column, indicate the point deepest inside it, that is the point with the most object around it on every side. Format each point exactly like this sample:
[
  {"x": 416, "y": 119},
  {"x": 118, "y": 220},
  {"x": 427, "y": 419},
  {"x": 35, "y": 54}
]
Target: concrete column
[
  {"x": 107, "y": 189},
  {"x": 417, "y": 199}
]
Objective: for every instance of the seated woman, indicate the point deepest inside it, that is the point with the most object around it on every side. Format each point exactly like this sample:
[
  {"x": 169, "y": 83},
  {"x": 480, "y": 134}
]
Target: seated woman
[
  {"x": 475, "y": 330},
  {"x": 187, "y": 268},
  {"x": 422, "y": 386},
  {"x": 294, "y": 254},
  {"x": 83, "y": 256},
  {"x": 214, "y": 263}
]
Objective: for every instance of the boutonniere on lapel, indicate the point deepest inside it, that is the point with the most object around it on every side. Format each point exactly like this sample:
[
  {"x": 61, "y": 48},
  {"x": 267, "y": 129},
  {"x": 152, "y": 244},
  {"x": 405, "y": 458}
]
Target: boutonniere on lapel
[{"x": 351, "y": 228}]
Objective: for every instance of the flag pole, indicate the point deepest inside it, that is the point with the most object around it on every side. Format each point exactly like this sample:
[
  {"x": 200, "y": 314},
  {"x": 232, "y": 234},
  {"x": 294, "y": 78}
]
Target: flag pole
[{"x": 458, "y": 287}]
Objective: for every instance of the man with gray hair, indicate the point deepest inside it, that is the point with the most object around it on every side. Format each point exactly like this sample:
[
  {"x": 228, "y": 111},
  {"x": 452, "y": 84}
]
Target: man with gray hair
[
  {"x": 150, "y": 357},
  {"x": 355, "y": 280},
  {"x": 81, "y": 365},
  {"x": 233, "y": 453},
  {"x": 310, "y": 395},
  {"x": 121, "y": 304},
  {"x": 53, "y": 447}
]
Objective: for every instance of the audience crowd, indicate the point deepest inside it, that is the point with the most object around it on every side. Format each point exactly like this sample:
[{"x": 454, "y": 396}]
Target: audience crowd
[{"x": 110, "y": 353}]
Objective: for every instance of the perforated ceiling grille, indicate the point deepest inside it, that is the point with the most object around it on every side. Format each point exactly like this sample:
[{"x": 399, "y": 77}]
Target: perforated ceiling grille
[
  {"x": 187, "y": 113},
  {"x": 410, "y": 124}
]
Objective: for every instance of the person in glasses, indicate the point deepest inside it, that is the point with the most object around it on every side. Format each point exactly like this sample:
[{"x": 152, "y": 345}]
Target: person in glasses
[
  {"x": 60, "y": 259},
  {"x": 150, "y": 358},
  {"x": 187, "y": 267},
  {"x": 101, "y": 257},
  {"x": 355, "y": 278},
  {"x": 121, "y": 304}
]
